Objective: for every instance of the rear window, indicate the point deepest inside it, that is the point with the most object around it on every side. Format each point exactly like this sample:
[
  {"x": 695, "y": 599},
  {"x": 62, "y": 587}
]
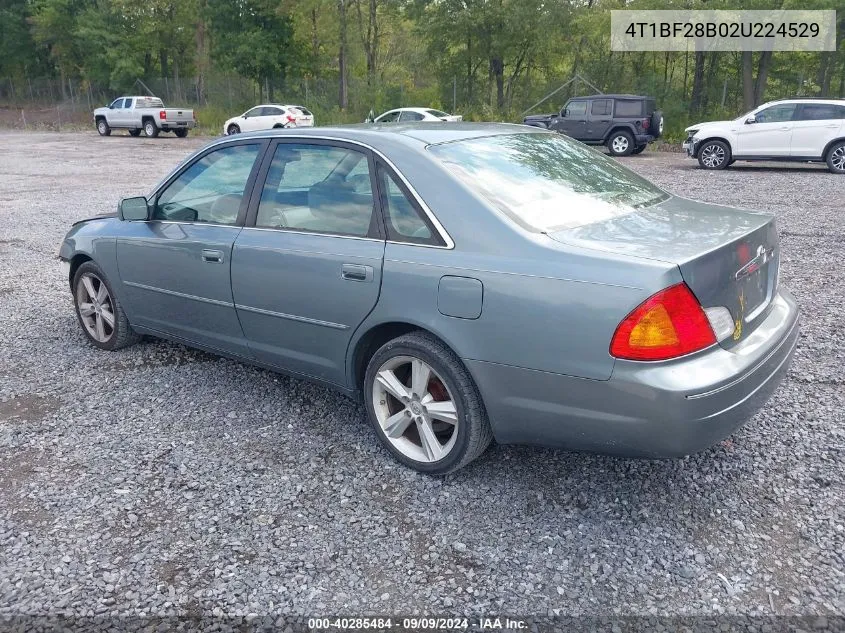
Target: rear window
[
  {"x": 304, "y": 111},
  {"x": 437, "y": 113},
  {"x": 546, "y": 182},
  {"x": 148, "y": 102},
  {"x": 629, "y": 107}
]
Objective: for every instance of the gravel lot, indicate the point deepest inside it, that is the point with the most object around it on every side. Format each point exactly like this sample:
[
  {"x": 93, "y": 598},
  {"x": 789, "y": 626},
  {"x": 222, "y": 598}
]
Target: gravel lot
[{"x": 160, "y": 480}]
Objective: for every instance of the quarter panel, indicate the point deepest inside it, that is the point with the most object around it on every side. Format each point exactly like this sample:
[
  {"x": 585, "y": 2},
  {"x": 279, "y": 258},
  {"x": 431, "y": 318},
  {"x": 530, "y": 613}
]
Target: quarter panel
[{"x": 548, "y": 312}]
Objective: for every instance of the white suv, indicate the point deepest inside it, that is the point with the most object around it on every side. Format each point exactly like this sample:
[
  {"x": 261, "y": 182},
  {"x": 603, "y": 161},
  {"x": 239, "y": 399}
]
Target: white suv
[{"x": 799, "y": 130}]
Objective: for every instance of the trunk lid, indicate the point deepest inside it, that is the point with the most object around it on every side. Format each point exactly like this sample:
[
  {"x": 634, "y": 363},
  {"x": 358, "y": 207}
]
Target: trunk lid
[
  {"x": 177, "y": 115},
  {"x": 726, "y": 256}
]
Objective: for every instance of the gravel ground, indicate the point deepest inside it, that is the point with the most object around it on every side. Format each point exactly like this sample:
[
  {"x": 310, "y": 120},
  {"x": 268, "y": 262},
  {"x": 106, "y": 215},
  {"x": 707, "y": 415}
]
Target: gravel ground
[{"x": 160, "y": 480}]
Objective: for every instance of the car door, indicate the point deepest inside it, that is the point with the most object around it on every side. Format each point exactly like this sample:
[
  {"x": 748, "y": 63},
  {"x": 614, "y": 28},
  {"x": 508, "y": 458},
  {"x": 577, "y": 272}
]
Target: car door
[
  {"x": 768, "y": 134},
  {"x": 251, "y": 120},
  {"x": 599, "y": 119},
  {"x": 271, "y": 116},
  {"x": 814, "y": 126},
  {"x": 115, "y": 110},
  {"x": 573, "y": 120},
  {"x": 127, "y": 113},
  {"x": 306, "y": 270},
  {"x": 175, "y": 267}
]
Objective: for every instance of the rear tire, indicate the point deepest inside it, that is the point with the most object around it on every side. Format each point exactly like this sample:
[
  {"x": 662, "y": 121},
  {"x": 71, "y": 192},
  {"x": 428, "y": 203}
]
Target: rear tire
[
  {"x": 233, "y": 129},
  {"x": 836, "y": 158},
  {"x": 639, "y": 149},
  {"x": 94, "y": 312},
  {"x": 420, "y": 436},
  {"x": 135, "y": 132},
  {"x": 103, "y": 128},
  {"x": 714, "y": 155},
  {"x": 150, "y": 129},
  {"x": 181, "y": 132},
  {"x": 621, "y": 143}
]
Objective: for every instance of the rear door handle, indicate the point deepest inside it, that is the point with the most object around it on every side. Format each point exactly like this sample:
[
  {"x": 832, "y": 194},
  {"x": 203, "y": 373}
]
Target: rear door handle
[
  {"x": 212, "y": 257},
  {"x": 356, "y": 272}
]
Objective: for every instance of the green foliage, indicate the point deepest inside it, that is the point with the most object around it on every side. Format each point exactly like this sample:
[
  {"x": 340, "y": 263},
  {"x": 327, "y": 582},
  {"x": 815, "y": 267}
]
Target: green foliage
[{"x": 486, "y": 59}]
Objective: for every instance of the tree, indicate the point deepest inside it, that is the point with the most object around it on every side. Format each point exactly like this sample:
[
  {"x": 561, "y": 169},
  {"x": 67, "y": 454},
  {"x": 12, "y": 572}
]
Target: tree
[{"x": 253, "y": 38}]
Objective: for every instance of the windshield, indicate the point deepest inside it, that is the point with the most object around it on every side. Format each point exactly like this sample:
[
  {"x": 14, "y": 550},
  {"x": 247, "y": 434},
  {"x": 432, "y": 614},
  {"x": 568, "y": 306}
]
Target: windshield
[{"x": 545, "y": 181}]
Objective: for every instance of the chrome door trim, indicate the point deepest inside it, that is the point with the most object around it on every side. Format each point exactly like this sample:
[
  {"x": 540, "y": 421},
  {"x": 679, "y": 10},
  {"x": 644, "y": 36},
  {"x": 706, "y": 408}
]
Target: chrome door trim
[
  {"x": 182, "y": 295},
  {"x": 293, "y": 317}
]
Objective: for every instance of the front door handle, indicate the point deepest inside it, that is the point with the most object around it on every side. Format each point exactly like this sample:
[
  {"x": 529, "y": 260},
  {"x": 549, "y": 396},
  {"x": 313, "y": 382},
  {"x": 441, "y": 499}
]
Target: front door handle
[
  {"x": 356, "y": 272},
  {"x": 212, "y": 257}
]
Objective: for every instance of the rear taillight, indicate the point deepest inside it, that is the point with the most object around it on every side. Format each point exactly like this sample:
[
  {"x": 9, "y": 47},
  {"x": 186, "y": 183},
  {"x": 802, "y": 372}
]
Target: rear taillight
[
  {"x": 668, "y": 324},
  {"x": 646, "y": 123},
  {"x": 162, "y": 114},
  {"x": 291, "y": 118}
]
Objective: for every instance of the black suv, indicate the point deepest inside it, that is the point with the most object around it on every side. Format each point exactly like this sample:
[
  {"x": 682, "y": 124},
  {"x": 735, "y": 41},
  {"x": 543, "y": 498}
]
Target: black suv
[{"x": 624, "y": 123}]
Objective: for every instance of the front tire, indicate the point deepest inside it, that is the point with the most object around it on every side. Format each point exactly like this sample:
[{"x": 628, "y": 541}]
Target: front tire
[
  {"x": 714, "y": 155},
  {"x": 103, "y": 128},
  {"x": 98, "y": 310},
  {"x": 233, "y": 129},
  {"x": 424, "y": 405},
  {"x": 150, "y": 129},
  {"x": 836, "y": 158},
  {"x": 620, "y": 143}
]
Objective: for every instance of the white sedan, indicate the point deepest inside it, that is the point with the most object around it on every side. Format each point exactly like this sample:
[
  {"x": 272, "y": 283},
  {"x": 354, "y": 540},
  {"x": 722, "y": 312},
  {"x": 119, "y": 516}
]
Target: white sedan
[
  {"x": 267, "y": 117},
  {"x": 405, "y": 115}
]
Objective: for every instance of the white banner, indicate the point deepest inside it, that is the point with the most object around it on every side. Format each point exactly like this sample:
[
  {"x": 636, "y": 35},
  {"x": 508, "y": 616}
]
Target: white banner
[{"x": 800, "y": 30}]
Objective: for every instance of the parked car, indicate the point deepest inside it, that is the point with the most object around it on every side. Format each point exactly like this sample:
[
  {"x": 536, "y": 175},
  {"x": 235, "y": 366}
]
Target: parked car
[
  {"x": 412, "y": 115},
  {"x": 146, "y": 114},
  {"x": 268, "y": 117},
  {"x": 795, "y": 130},
  {"x": 472, "y": 282},
  {"x": 626, "y": 124}
]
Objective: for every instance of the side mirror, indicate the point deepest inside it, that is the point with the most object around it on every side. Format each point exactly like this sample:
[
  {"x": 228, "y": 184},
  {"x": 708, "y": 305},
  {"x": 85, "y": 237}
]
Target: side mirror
[
  {"x": 133, "y": 209},
  {"x": 750, "y": 120}
]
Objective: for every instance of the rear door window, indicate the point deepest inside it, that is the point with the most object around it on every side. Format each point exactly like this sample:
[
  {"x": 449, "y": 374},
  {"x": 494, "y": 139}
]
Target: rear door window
[
  {"x": 601, "y": 107},
  {"x": 318, "y": 189},
  {"x": 820, "y": 112},
  {"x": 629, "y": 107},
  {"x": 127, "y": 103},
  {"x": 271, "y": 111},
  {"x": 408, "y": 115}
]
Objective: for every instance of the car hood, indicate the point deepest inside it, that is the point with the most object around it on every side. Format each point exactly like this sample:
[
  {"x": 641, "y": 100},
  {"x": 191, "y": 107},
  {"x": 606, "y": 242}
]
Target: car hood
[
  {"x": 102, "y": 216},
  {"x": 699, "y": 126}
]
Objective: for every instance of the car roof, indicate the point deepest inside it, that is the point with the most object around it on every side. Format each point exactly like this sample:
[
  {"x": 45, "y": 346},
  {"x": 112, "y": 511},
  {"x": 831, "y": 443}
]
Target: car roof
[
  {"x": 611, "y": 96},
  {"x": 384, "y": 136},
  {"x": 820, "y": 100}
]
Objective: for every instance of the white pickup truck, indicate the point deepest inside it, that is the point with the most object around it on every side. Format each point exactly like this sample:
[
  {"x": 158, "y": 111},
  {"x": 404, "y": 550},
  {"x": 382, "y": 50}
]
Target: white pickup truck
[{"x": 146, "y": 114}]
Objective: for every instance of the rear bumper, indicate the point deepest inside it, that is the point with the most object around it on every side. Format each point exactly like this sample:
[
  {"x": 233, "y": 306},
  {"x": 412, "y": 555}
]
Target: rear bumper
[
  {"x": 175, "y": 125},
  {"x": 666, "y": 409}
]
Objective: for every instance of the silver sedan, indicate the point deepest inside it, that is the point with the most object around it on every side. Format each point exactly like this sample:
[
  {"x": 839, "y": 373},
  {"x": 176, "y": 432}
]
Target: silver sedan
[{"x": 468, "y": 282}]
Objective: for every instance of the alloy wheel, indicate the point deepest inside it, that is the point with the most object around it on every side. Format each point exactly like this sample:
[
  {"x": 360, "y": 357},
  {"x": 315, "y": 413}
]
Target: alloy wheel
[
  {"x": 837, "y": 159},
  {"x": 620, "y": 144},
  {"x": 713, "y": 155},
  {"x": 149, "y": 129},
  {"x": 101, "y": 127},
  {"x": 415, "y": 409},
  {"x": 95, "y": 306}
]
